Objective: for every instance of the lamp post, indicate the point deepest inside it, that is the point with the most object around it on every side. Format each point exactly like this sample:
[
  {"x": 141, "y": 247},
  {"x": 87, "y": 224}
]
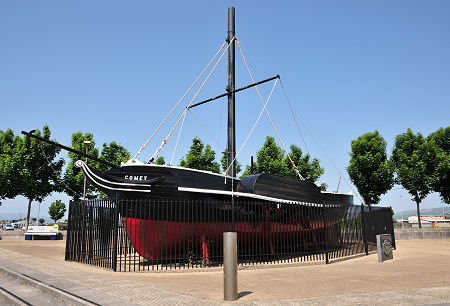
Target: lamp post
[{"x": 86, "y": 145}]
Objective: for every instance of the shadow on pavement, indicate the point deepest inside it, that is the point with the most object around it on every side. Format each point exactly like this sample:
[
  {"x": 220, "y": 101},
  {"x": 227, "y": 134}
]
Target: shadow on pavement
[{"x": 244, "y": 293}]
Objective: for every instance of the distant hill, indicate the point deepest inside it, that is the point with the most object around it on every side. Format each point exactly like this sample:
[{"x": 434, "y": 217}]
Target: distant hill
[{"x": 429, "y": 211}]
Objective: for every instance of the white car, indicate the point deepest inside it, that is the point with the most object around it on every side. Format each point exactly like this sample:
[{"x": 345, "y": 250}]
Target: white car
[{"x": 8, "y": 227}]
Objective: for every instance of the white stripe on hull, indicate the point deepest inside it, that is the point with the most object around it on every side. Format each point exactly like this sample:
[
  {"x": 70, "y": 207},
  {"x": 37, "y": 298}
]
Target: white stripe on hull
[
  {"x": 95, "y": 178},
  {"x": 244, "y": 194}
]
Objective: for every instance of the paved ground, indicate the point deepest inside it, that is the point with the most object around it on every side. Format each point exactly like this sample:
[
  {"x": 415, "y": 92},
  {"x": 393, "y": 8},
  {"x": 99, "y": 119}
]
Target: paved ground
[{"x": 418, "y": 274}]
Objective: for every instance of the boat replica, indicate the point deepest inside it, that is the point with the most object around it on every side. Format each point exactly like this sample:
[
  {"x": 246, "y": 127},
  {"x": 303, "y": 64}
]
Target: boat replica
[{"x": 208, "y": 190}]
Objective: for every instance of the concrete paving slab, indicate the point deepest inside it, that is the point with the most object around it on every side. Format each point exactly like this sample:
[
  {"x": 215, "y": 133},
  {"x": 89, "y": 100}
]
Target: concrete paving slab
[{"x": 418, "y": 274}]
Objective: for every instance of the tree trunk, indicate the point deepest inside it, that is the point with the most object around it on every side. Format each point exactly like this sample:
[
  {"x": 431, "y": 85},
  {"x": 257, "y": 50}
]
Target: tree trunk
[
  {"x": 28, "y": 213},
  {"x": 418, "y": 213}
]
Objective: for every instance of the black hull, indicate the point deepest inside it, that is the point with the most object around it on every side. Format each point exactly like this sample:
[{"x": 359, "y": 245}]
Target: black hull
[{"x": 155, "y": 181}]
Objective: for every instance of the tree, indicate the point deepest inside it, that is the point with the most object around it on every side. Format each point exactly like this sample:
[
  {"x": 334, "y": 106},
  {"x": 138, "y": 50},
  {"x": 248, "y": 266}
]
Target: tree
[
  {"x": 40, "y": 171},
  {"x": 272, "y": 159},
  {"x": 200, "y": 157},
  {"x": 9, "y": 165},
  {"x": 160, "y": 160},
  {"x": 41, "y": 221},
  {"x": 113, "y": 153},
  {"x": 370, "y": 169},
  {"x": 309, "y": 169},
  {"x": 57, "y": 210},
  {"x": 439, "y": 149},
  {"x": 34, "y": 219},
  {"x": 224, "y": 162},
  {"x": 411, "y": 157},
  {"x": 74, "y": 177}
]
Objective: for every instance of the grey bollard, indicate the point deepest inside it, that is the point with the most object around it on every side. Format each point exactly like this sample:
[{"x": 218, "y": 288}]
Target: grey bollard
[{"x": 230, "y": 277}]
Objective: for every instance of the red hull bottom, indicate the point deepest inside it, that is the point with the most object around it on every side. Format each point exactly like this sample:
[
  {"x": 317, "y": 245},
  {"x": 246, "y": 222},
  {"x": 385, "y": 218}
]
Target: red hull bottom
[{"x": 154, "y": 239}]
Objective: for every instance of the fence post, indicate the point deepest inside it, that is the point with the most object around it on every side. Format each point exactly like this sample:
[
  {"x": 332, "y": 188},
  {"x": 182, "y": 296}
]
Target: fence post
[
  {"x": 325, "y": 232},
  {"x": 391, "y": 227},
  {"x": 68, "y": 245},
  {"x": 363, "y": 228},
  {"x": 116, "y": 227}
]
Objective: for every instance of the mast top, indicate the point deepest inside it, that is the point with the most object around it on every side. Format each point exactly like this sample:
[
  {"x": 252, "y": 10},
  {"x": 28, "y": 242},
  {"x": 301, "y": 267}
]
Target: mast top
[{"x": 231, "y": 25}]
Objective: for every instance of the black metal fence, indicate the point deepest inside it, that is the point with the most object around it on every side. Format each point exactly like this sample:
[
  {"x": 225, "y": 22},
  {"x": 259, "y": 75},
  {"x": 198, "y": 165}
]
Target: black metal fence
[{"x": 136, "y": 235}]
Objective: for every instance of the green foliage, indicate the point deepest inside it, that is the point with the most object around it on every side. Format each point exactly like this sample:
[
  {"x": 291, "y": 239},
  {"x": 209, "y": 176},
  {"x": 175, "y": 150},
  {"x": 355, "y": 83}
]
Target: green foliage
[
  {"x": 57, "y": 210},
  {"x": 439, "y": 162},
  {"x": 41, "y": 221},
  {"x": 309, "y": 169},
  {"x": 323, "y": 187},
  {"x": 272, "y": 159},
  {"x": 200, "y": 157},
  {"x": 74, "y": 177},
  {"x": 40, "y": 171},
  {"x": 9, "y": 164},
  {"x": 412, "y": 158},
  {"x": 160, "y": 161},
  {"x": 369, "y": 168},
  {"x": 224, "y": 162},
  {"x": 352, "y": 223},
  {"x": 113, "y": 153},
  {"x": 33, "y": 219},
  {"x": 410, "y": 155}
]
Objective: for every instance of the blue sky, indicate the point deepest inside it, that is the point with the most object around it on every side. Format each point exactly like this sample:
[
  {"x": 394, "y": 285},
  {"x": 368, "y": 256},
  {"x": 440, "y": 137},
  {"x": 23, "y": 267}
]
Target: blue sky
[{"x": 116, "y": 68}]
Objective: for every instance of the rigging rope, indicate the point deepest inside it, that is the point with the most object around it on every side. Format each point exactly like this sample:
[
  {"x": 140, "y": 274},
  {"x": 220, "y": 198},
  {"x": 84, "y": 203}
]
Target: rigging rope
[
  {"x": 164, "y": 141},
  {"x": 173, "y": 109},
  {"x": 270, "y": 119},
  {"x": 295, "y": 119},
  {"x": 207, "y": 131},
  {"x": 178, "y": 138},
  {"x": 253, "y": 128},
  {"x": 329, "y": 159}
]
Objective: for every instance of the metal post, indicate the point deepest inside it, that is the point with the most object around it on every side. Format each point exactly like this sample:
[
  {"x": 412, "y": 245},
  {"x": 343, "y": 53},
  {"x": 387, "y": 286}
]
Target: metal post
[
  {"x": 391, "y": 222},
  {"x": 231, "y": 94},
  {"x": 363, "y": 228},
  {"x": 69, "y": 243},
  {"x": 230, "y": 277},
  {"x": 325, "y": 232},
  {"x": 115, "y": 233}
]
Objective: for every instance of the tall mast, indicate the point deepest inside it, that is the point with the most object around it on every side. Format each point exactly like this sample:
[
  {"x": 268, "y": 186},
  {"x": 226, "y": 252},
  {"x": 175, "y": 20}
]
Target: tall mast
[{"x": 231, "y": 148}]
